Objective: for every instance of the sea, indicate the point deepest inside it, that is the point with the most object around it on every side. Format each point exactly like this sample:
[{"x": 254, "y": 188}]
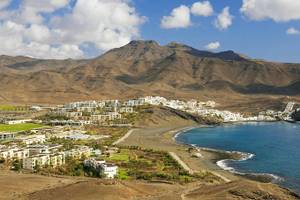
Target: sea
[{"x": 271, "y": 149}]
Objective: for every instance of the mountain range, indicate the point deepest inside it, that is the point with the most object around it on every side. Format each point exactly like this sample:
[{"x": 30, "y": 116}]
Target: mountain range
[{"x": 146, "y": 68}]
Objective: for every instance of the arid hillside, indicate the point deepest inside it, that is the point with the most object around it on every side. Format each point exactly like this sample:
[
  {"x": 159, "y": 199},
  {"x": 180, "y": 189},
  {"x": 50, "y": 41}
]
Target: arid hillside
[{"x": 146, "y": 68}]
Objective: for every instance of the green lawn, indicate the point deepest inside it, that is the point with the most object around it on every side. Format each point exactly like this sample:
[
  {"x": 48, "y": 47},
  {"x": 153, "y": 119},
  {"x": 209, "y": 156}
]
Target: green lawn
[
  {"x": 7, "y": 107},
  {"x": 122, "y": 174},
  {"x": 122, "y": 156},
  {"x": 12, "y": 108},
  {"x": 18, "y": 127}
]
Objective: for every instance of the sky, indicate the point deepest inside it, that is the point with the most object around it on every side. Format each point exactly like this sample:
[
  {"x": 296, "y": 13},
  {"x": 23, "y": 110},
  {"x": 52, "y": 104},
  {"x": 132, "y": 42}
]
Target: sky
[{"x": 60, "y": 29}]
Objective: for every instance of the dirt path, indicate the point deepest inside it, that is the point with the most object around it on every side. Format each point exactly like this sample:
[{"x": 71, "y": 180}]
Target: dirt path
[
  {"x": 180, "y": 162},
  {"x": 123, "y": 138},
  {"x": 162, "y": 138}
]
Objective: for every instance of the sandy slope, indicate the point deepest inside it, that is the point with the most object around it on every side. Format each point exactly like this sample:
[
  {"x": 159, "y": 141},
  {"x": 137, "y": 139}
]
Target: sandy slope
[{"x": 15, "y": 186}]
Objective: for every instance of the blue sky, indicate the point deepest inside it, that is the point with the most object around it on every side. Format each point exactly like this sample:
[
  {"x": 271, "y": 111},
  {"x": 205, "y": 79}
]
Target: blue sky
[
  {"x": 258, "y": 39},
  {"x": 82, "y": 28}
]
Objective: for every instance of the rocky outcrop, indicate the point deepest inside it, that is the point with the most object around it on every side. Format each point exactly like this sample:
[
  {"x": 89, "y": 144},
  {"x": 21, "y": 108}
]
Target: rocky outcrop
[{"x": 296, "y": 115}]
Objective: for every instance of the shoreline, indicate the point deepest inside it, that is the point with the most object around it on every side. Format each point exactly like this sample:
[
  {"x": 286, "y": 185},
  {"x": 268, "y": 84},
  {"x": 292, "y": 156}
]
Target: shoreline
[
  {"x": 163, "y": 136},
  {"x": 223, "y": 156}
]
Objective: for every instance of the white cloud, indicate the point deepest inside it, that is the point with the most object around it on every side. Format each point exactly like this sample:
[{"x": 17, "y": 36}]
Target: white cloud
[
  {"x": 30, "y": 11},
  {"x": 13, "y": 42},
  {"x": 213, "y": 46},
  {"x": 103, "y": 24},
  {"x": 202, "y": 9},
  {"x": 38, "y": 33},
  {"x": 224, "y": 19},
  {"x": 4, "y": 3},
  {"x": 277, "y": 10},
  {"x": 292, "y": 31},
  {"x": 179, "y": 18}
]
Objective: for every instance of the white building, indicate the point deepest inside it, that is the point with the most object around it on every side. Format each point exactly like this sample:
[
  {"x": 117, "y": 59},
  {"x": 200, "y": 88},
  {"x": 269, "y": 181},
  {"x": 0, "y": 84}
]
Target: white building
[
  {"x": 79, "y": 152},
  {"x": 7, "y": 136},
  {"x": 155, "y": 100},
  {"x": 135, "y": 102},
  {"x": 75, "y": 115},
  {"x": 36, "y": 108},
  {"x": 57, "y": 159},
  {"x": 42, "y": 160},
  {"x": 38, "y": 160},
  {"x": 211, "y": 104},
  {"x": 110, "y": 116},
  {"x": 83, "y": 104},
  {"x": 22, "y": 121},
  {"x": 109, "y": 170},
  {"x": 126, "y": 110},
  {"x": 43, "y": 149},
  {"x": 31, "y": 139},
  {"x": 21, "y": 154},
  {"x": 9, "y": 153}
]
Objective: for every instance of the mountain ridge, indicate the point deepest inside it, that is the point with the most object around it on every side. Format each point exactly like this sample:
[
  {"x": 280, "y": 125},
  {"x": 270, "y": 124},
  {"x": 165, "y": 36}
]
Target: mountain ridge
[{"x": 146, "y": 68}]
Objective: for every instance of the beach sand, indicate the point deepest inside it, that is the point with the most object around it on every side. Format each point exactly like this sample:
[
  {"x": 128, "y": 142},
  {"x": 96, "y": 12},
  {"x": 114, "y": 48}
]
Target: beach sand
[
  {"x": 231, "y": 186},
  {"x": 162, "y": 138}
]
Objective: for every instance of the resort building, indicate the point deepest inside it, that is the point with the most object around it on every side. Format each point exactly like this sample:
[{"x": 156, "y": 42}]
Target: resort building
[
  {"x": 36, "y": 108},
  {"x": 23, "y": 121},
  {"x": 86, "y": 109},
  {"x": 7, "y": 136},
  {"x": 109, "y": 170},
  {"x": 8, "y": 153},
  {"x": 42, "y": 160},
  {"x": 43, "y": 149},
  {"x": 21, "y": 154},
  {"x": 79, "y": 152},
  {"x": 57, "y": 159},
  {"x": 74, "y": 115},
  {"x": 32, "y": 139},
  {"x": 135, "y": 102},
  {"x": 38, "y": 160},
  {"x": 126, "y": 110},
  {"x": 77, "y": 136},
  {"x": 83, "y": 104},
  {"x": 107, "y": 117},
  {"x": 65, "y": 122}
]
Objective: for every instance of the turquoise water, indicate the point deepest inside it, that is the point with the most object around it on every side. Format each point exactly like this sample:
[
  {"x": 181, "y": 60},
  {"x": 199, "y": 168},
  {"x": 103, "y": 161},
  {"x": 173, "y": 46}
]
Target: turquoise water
[{"x": 276, "y": 147}]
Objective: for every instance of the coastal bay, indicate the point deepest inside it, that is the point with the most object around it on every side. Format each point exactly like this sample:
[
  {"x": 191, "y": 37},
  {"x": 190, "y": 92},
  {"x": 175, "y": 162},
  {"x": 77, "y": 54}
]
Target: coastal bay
[
  {"x": 163, "y": 137},
  {"x": 268, "y": 151}
]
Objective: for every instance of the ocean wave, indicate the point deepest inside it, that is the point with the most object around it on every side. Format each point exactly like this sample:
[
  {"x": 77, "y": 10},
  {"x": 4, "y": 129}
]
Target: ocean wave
[
  {"x": 223, "y": 164},
  {"x": 243, "y": 156}
]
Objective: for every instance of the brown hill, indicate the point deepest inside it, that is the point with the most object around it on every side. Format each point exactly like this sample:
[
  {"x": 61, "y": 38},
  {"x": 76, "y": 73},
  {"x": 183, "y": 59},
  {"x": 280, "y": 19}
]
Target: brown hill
[{"x": 146, "y": 68}]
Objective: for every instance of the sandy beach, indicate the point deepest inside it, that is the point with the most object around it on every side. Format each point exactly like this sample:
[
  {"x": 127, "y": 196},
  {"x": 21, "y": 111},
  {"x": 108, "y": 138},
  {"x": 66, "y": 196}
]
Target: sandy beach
[{"x": 162, "y": 138}]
